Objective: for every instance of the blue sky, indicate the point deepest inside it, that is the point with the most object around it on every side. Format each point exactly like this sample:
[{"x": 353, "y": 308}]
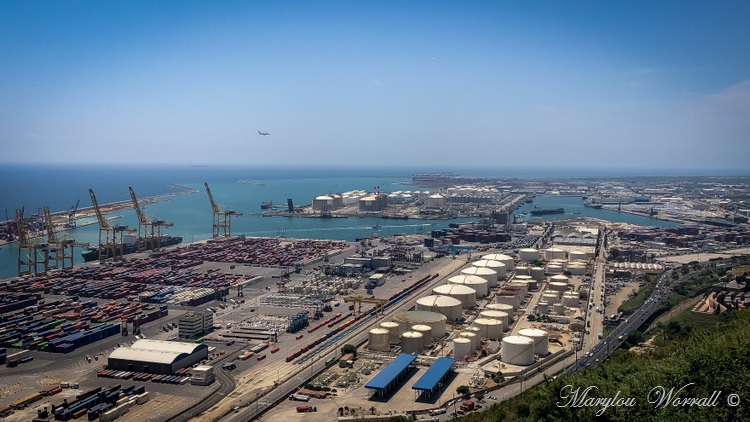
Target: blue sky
[{"x": 506, "y": 84}]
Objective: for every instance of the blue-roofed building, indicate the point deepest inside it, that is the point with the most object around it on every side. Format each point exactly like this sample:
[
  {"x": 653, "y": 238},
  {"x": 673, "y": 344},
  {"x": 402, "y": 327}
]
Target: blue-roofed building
[
  {"x": 435, "y": 374},
  {"x": 386, "y": 380}
]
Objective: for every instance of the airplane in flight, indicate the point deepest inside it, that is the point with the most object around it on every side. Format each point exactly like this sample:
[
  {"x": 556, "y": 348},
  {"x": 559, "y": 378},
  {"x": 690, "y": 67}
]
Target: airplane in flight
[{"x": 263, "y": 133}]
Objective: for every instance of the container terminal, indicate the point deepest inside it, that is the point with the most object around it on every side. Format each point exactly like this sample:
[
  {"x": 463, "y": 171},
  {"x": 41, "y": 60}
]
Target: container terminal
[{"x": 236, "y": 327}]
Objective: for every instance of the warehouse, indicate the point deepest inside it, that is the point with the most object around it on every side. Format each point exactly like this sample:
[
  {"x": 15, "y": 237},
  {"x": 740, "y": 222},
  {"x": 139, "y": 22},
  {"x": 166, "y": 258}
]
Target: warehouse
[{"x": 156, "y": 356}]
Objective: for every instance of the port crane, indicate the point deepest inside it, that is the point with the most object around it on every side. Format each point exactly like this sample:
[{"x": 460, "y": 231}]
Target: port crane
[
  {"x": 71, "y": 223},
  {"x": 149, "y": 230},
  {"x": 111, "y": 236},
  {"x": 222, "y": 222},
  {"x": 363, "y": 299},
  {"x": 58, "y": 252},
  {"x": 28, "y": 248}
]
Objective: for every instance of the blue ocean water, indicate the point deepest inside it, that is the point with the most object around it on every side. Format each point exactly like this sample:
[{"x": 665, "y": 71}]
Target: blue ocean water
[{"x": 238, "y": 188}]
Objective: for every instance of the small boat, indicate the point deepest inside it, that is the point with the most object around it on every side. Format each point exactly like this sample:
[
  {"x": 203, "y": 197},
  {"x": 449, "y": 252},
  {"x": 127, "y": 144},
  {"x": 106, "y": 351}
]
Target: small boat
[{"x": 266, "y": 205}]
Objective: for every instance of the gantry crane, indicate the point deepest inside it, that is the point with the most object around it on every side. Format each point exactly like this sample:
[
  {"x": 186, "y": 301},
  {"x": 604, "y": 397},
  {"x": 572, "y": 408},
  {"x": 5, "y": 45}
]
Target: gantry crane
[
  {"x": 360, "y": 299},
  {"x": 149, "y": 230},
  {"x": 28, "y": 248},
  {"x": 112, "y": 244},
  {"x": 57, "y": 251},
  {"x": 222, "y": 222}
]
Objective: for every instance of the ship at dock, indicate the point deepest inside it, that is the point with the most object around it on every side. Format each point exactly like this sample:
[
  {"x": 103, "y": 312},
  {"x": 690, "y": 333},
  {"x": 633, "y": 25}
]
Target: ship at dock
[
  {"x": 592, "y": 203},
  {"x": 92, "y": 254},
  {"x": 546, "y": 211}
]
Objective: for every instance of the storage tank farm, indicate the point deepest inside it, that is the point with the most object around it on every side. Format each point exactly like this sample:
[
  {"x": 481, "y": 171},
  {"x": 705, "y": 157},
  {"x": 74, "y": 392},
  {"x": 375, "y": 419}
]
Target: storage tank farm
[
  {"x": 487, "y": 274},
  {"x": 540, "y": 338},
  {"x": 446, "y": 305},
  {"x": 528, "y": 254},
  {"x": 412, "y": 342},
  {"x": 379, "y": 340},
  {"x": 477, "y": 283},
  {"x": 461, "y": 348},
  {"x": 505, "y": 259},
  {"x": 517, "y": 350},
  {"x": 393, "y": 331},
  {"x": 496, "y": 266},
  {"x": 465, "y": 294}
]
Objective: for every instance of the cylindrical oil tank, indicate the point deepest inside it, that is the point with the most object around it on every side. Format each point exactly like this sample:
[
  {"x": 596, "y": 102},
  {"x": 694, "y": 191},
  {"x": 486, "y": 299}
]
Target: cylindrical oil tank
[
  {"x": 554, "y": 269},
  {"x": 500, "y": 307},
  {"x": 501, "y": 315},
  {"x": 435, "y": 320},
  {"x": 537, "y": 273},
  {"x": 412, "y": 342},
  {"x": 520, "y": 285},
  {"x": 528, "y": 254},
  {"x": 540, "y": 337},
  {"x": 426, "y": 332},
  {"x": 557, "y": 286},
  {"x": 471, "y": 336},
  {"x": 393, "y": 330},
  {"x": 554, "y": 253},
  {"x": 570, "y": 299},
  {"x": 446, "y": 305},
  {"x": 496, "y": 266},
  {"x": 505, "y": 259},
  {"x": 488, "y": 274},
  {"x": 522, "y": 270},
  {"x": 507, "y": 299},
  {"x": 517, "y": 350},
  {"x": 542, "y": 308},
  {"x": 475, "y": 282},
  {"x": 489, "y": 327},
  {"x": 379, "y": 339},
  {"x": 550, "y": 296},
  {"x": 461, "y": 348},
  {"x": 577, "y": 268},
  {"x": 577, "y": 256},
  {"x": 559, "y": 278},
  {"x": 522, "y": 277},
  {"x": 558, "y": 308},
  {"x": 465, "y": 294}
]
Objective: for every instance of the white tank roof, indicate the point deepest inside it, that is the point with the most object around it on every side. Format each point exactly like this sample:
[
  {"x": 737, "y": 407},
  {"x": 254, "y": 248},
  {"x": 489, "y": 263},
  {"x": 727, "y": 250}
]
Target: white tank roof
[
  {"x": 479, "y": 271},
  {"x": 496, "y": 257},
  {"x": 454, "y": 289}
]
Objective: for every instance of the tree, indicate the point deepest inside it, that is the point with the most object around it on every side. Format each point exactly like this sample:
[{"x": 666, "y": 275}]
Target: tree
[
  {"x": 463, "y": 390},
  {"x": 349, "y": 348}
]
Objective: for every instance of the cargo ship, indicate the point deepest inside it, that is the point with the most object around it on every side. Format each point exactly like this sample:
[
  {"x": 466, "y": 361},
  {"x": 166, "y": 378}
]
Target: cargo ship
[
  {"x": 546, "y": 211},
  {"x": 592, "y": 203},
  {"x": 266, "y": 205},
  {"x": 92, "y": 254}
]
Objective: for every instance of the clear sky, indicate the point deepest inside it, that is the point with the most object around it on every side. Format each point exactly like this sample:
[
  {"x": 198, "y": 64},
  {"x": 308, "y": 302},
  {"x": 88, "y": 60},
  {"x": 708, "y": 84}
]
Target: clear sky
[{"x": 614, "y": 84}]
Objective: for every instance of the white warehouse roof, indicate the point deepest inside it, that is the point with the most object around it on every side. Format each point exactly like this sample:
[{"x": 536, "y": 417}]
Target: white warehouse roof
[{"x": 156, "y": 351}]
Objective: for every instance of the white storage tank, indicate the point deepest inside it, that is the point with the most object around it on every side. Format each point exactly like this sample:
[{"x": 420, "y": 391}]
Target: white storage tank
[
  {"x": 487, "y": 274},
  {"x": 412, "y": 342},
  {"x": 507, "y": 299},
  {"x": 558, "y": 309},
  {"x": 500, "y": 307},
  {"x": 505, "y": 259},
  {"x": 435, "y": 320},
  {"x": 542, "y": 308},
  {"x": 379, "y": 340},
  {"x": 461, "y": 348},
  {"x": 559, "y": 279},
  {"x": 522, "y": 271},
  {"x": 501, "y": 315},
  {"x": 577, "y": 268},
  {"x": 475, "y": 282},
  {"x": 489, "y": 328},
  {"x": 471, "y": 336},
  {"x": 551, "y": 296},
  {"x": 393, "y": 330},
  {"x": 517, "y": 350},
  {"x": 446, "y": 305},
  {"x": 570, "y": 299},
  {"x": 537, "y": 273},
  {"x": 554, "y": 253},
  {"x": 540, "y": 338},
  {"x": 578, "y": 256},
  {"x": 554, "y": 269},
  {"x": 558, "y": 286},
  {"x": 496, "y": 266},
  {"x": 426, "y": 332},
  {"x": 519, "y": 285},
  {"x": 465, "y": 294},
  {"x": 528, "y": 254}
]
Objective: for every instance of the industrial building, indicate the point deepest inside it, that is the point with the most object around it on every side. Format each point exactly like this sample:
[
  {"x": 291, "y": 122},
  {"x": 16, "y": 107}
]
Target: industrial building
[
  {"x": 156, "y": 356},
  {"x": 195, "y": 324},
  {"x": 387, "y": 379},
  {"x": 434, "y": 377}
]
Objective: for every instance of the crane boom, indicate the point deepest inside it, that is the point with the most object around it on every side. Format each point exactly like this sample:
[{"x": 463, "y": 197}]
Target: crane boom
[
  {"x": 141, "y": 216},
  {"x": 103, "y": 223},
  {"x": 211, "y": 199}
]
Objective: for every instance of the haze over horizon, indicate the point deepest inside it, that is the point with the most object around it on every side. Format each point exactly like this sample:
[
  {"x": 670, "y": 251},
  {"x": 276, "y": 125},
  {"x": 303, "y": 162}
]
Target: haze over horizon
[{"x": 591, "y": 85}]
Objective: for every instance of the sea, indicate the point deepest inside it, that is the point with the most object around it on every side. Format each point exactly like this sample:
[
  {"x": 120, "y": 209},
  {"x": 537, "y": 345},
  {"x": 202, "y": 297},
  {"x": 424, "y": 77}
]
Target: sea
[{"x": 240, "y": 188}]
